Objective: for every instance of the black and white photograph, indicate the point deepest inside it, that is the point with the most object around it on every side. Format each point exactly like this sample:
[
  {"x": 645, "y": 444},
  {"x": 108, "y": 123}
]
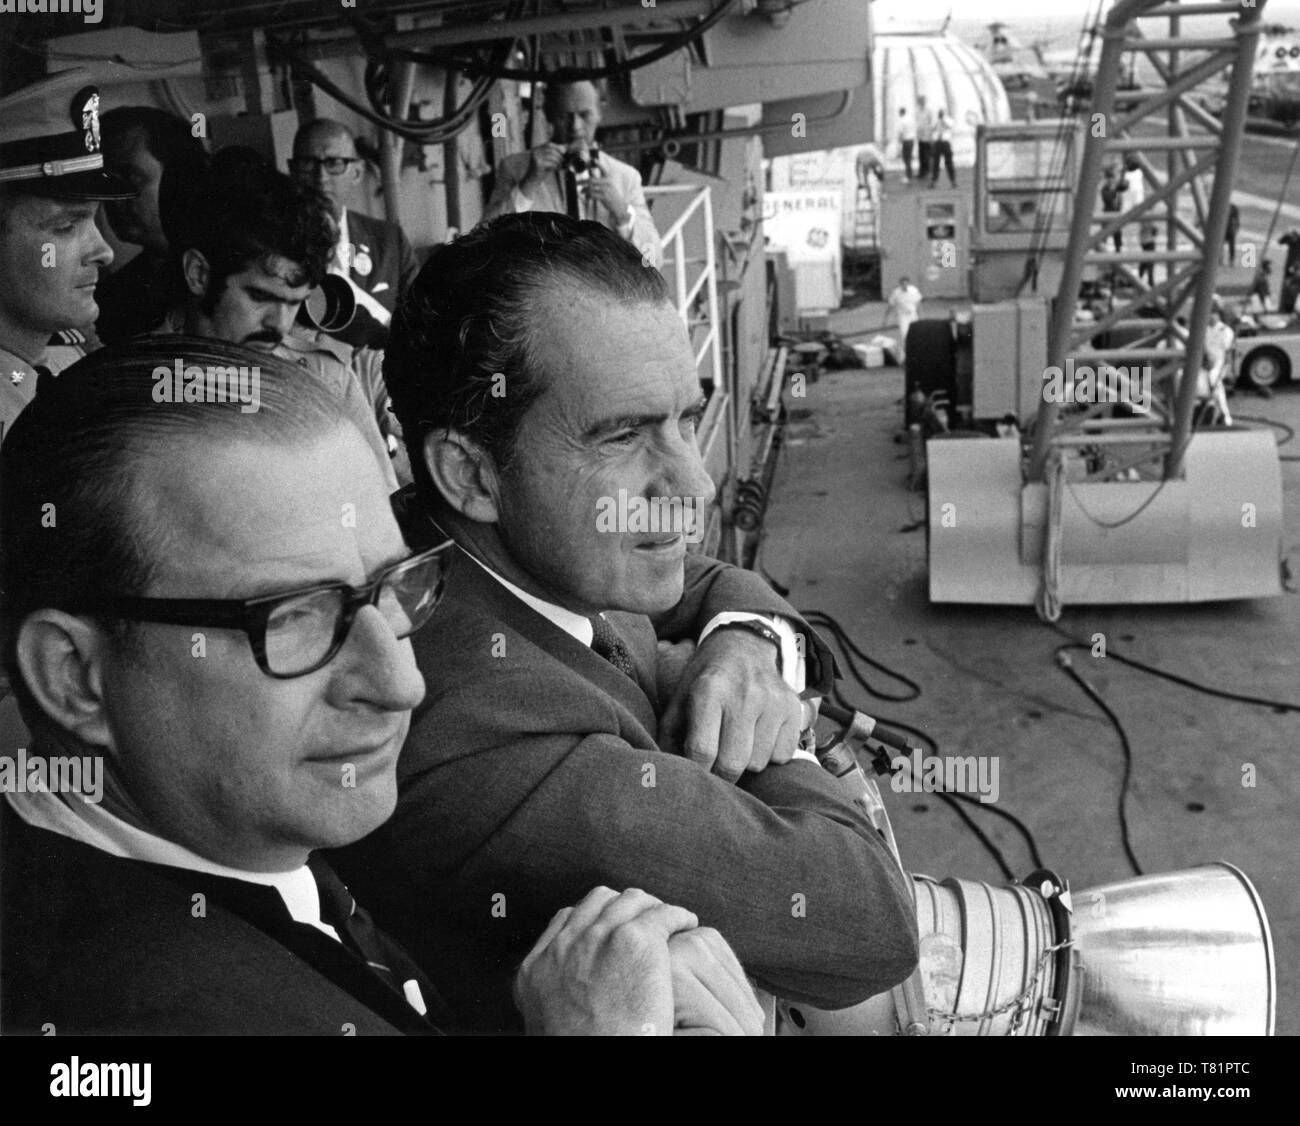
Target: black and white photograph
[{"x": 648, "y": 518}]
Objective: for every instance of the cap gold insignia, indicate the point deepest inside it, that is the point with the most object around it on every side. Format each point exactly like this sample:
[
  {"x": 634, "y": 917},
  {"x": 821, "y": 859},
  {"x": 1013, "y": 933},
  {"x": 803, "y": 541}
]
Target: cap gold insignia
[{"x": 85, "y": 116}]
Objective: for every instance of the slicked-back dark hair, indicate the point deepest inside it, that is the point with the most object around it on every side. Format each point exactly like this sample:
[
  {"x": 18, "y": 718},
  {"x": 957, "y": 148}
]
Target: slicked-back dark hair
[
  {"x": 469, "y": 318},
  {"x": 240, "y": 210},
  {"x": 74, "y": 518}
]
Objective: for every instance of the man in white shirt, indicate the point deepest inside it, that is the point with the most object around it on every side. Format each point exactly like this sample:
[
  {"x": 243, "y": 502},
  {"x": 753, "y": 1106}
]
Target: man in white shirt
[
  {"x": 1219, "y": 339},
  {"x": 904, "y": 304},
  {"x": 941, "y": 151},
  {"x": 924, "y": 139},
  {"x": 570, "y": 175},
  {"x": 223, "y": 650},
  {"x": 905, "y": 131}
]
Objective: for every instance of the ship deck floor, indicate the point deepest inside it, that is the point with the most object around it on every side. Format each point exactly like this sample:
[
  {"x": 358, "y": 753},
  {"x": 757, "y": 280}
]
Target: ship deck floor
[{"x": 834, "y": 536}]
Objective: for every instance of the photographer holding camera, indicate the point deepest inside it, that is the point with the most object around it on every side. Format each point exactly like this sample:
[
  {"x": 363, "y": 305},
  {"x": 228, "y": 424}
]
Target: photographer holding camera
[{"x": 570, "y": 174}]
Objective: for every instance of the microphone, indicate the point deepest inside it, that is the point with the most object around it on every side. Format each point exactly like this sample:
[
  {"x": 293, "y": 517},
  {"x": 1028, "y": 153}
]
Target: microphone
[{"x": 868, "y": 728}]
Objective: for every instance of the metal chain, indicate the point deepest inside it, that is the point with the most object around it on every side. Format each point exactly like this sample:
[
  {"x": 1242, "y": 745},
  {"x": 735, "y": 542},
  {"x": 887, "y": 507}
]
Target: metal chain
[{"x": 1018, "y": 1002}]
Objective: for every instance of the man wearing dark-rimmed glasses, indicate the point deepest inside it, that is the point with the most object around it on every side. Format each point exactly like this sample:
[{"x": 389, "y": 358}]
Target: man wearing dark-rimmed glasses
[
  {"x": 373, "y": 255},
  {"x": 214, "y": 605}
]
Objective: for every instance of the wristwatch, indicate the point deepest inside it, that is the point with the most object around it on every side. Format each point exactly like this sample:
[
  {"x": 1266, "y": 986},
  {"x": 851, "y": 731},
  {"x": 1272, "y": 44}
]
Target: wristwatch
[{"x": 760, "y": 629}]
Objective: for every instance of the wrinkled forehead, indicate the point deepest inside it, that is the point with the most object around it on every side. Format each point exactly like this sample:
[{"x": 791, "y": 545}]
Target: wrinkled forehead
[
  {"x": 603, "y": 355},
  {"x": 247, "y": 514}
]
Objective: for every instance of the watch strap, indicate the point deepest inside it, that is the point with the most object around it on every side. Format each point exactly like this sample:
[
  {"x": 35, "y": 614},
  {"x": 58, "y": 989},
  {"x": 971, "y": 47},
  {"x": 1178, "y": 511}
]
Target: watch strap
[{"x": 760, "y": 629}]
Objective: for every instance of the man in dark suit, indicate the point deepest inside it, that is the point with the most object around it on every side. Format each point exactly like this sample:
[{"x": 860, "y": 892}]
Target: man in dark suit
[
  {"x": 373, "y": 255},
  {"x": 542, "y": 375},
  {"x": 217, "y": 679},
  {"x": 144, "y": 146}
]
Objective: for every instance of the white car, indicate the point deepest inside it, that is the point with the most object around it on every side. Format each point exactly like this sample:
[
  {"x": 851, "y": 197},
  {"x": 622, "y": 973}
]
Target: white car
[{"x": 1270, "y": 357}]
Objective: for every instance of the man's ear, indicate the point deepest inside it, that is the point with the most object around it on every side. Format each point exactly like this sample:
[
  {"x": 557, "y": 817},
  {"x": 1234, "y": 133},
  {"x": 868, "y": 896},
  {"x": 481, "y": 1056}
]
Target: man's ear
[
  {"x": 197, "y": 272},
  {"x": 464, "y": 474},
  {"x": 60, "y": 657}
]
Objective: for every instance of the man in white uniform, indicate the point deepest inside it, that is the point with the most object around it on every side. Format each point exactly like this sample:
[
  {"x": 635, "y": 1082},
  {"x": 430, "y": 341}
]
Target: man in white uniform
[
  {"x": 52, "y": 180},
  {"x": 1219, "y": 339},
  {"x": 904, "y": 302}
]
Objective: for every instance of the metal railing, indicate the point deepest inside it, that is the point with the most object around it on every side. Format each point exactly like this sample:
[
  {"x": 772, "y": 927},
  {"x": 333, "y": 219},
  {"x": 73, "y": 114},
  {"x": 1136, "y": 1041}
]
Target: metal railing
[
  {"x": 690, "y": 268},
  {"x": 689, "y": 243}
]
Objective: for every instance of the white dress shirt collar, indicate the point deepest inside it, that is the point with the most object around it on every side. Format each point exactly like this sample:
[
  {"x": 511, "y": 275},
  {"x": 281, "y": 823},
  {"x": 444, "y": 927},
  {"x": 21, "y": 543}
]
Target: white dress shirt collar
[{"x": 575, "y": 625}]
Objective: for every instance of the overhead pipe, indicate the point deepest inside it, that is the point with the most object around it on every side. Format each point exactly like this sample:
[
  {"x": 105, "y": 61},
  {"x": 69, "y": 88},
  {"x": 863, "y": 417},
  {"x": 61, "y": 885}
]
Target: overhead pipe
[
  {"x": 679, "y": 139},
  {"x": 391, "y": 145}
]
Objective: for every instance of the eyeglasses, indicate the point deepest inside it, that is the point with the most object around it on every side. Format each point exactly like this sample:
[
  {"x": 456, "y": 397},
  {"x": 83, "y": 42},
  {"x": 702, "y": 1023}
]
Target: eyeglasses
[
  {"x": 300, "y": 631},
  {"x": 334, "y": 165}
]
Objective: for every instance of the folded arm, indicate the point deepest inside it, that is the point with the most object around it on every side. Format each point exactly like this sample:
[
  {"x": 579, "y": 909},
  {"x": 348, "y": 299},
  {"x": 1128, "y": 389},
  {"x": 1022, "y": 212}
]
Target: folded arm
[
  {"x": 734, "y": 705},
  {"x": 782, "y": 865},
  {"x": 712, "y": 588}
]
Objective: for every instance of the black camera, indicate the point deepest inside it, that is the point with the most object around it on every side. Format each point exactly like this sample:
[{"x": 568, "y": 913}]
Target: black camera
[{"x": 581, "y": 162}]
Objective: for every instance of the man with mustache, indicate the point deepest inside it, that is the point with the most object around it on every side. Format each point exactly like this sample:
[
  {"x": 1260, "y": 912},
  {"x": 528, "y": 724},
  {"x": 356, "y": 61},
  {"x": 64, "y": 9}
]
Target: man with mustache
[
  {"x": 543, "y": 380},
  {"x": 251, "y": 243},
  {"x": 183, "y": 603}
]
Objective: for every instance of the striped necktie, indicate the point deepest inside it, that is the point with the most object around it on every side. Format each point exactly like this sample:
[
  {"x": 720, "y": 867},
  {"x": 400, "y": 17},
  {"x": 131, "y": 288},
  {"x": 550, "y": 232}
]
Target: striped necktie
[
  {"x": 605, "y": 642},
  {"x": 356, "y": 929}
]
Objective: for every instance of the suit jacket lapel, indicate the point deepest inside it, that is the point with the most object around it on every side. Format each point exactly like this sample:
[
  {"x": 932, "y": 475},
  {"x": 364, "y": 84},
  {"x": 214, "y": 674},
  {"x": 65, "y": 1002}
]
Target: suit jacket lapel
[
  {"x": 263, "y": 908},
  {"x": 470, "y": 581}
]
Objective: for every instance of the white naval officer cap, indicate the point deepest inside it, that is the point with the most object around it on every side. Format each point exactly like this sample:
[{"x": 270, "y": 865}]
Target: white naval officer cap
[{"x": 49, "y": 140}]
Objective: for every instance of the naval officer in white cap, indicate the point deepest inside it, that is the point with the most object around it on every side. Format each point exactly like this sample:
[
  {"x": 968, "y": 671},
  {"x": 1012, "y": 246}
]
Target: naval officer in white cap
[{"x": 51, "y": 181}]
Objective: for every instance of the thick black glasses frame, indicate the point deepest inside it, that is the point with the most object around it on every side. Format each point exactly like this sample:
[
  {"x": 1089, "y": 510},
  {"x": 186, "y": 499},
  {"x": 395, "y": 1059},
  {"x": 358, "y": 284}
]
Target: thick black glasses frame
[
  {"x": 312, "y": 163},
  {"x": 252, "y": 614}
]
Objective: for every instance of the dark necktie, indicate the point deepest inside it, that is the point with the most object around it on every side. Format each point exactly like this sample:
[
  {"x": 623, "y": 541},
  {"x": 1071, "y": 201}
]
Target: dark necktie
[
  {"x": 606, "y": 643},
  {"x": 571, "y": 194},
  {"x": 339, "y": 910}
]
